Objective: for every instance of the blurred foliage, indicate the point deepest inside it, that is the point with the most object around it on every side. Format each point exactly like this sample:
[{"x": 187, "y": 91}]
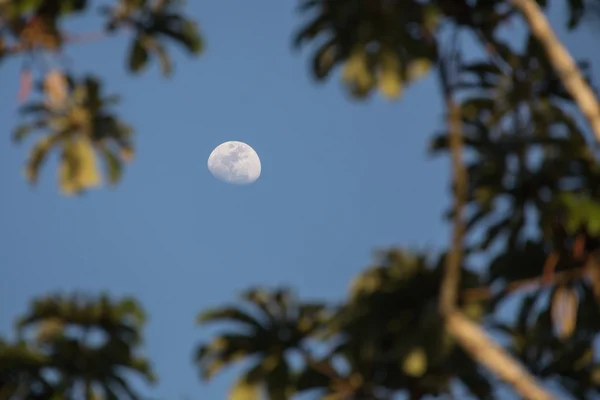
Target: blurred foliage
[
  {"x": 69, "y": 347},
  {"x": 78, "y": 123},
  {"x": 73, "y": 112},
  {"x": 381, "y": 44},
  {"x": 533, "y": 229},
  {"x": 269, "y": 325}
]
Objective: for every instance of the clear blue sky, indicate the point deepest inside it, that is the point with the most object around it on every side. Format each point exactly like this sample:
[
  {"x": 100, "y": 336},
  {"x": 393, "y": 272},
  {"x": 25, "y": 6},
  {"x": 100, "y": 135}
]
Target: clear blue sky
[{"x": 339, "y": 180}]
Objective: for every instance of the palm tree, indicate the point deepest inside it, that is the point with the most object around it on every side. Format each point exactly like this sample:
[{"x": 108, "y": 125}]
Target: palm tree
[
  {"x": 378, "y": 42},
  {"x": 153, "y": 23},
  {"x": 269, "y": 325},
  {"x": 76, "y": 347},
  {"x": 21, "y": 372},
  {"x": 78, "y": 122}
]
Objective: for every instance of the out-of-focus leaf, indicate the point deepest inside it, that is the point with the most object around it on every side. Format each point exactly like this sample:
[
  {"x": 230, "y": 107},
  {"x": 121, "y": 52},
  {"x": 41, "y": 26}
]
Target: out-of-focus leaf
[
  {"x": 358, "y": 74},
  {"x": 78, "y": 169},
  {"x": 418, "y": 68},
  {"x": 186, "y": 34},
  {"x": 244, "y": 390},
  {"x": 24, "y": 130},
  {"x": 576, "y": 11},
  {"x": 163, "y": 58},
  {"x": 49, "y": 329},
  {"x": 390, "y": 81},
  {"x": 113, "y": 165},
  {"x": 138, "y": 55},
  {"x": 231, "y": 314},
  {"x": 37, "y": 157},
  {"x": 415, "y": 363},
  {"x": 325, "y": 59},
  {"x": 56, "y": 88},
  {"x": 565, "y": 304},
  {"x": 279, "y": 383}
]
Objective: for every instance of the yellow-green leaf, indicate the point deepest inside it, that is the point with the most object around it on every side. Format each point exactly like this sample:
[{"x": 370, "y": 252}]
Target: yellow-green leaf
[
  {"x": 415, "y": 363},
  {"x": 357, "y": 73},
  {"x": 37, "y": 157},
  {"x": 245, "y": 390},
  {"x": 417, "y": 69},
  {"x": 113, "y": 166},
  {"x": 78, "y": 170},
  {"x": 390, "y": 80}
]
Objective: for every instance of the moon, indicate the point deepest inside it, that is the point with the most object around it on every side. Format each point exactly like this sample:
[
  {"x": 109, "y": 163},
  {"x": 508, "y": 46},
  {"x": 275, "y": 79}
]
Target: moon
[{"x": 234, "y": 162}]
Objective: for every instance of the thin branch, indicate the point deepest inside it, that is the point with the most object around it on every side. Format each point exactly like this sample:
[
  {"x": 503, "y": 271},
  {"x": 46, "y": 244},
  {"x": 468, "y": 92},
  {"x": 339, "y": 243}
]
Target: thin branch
[
  {"x": 485, "y": 292},
  {"x": 562, "y": 62},
  {"x": 449, "y": 288}
]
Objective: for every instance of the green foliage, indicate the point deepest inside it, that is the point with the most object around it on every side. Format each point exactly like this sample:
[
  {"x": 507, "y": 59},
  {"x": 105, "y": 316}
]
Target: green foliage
[
  {"x": 510, "y": 116},
  {"x": 537, "y": 340},
  {"x": 79, "y": 126},
  {"x": 153, "y": 23},
  {"x": 533, "y": 215},
  {"x": 273, "y": 324},
  {"x": 380, "y": 43},
  {"x": 70, "y": 342},
  {"x": 387, "y": 333}
]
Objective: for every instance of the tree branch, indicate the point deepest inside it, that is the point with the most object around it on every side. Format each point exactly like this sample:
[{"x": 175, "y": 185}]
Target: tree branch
[
  {"x": 449, "y": 288},
  {"x": 448, "y": 69},
  {"x": 470, "y": 336},
  {"x": 488, "y": 353},
  {"x": 562, "y": 62}
]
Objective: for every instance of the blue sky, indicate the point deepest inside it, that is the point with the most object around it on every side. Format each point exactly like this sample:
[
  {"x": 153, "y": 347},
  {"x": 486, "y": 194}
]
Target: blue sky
[{"x": 339, "y": 180}]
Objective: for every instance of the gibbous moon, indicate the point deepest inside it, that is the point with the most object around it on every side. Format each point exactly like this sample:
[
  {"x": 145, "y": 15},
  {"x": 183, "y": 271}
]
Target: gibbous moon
[{"x": 234, "y": 162}]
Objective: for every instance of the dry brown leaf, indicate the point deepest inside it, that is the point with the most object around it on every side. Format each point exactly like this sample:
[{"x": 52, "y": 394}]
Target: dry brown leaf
[{"x": 565, "y": 304}]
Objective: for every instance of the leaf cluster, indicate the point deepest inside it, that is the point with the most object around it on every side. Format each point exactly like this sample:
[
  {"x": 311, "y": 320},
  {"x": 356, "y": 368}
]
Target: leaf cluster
[
  {"x": 385, "y": 339},
  {"x": 78, "y": 344},
  {"x": 79, "y": 125}
]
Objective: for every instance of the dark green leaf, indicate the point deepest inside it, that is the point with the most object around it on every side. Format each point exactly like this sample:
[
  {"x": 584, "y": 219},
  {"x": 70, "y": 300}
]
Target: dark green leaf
[{"x": 138, "y": 55}]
